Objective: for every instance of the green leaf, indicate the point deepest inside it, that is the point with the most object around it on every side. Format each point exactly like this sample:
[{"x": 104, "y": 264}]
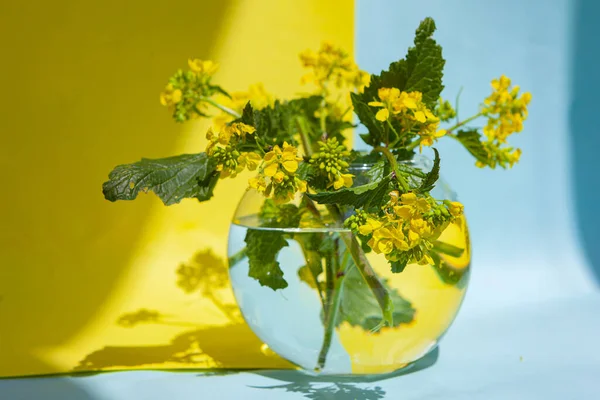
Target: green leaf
[
  {"x": 370, "y": 194},
  {"x": 458, "y": 277},
  {"x": 428, "y": 183},
  {"x": 448, "y": 249},
  {"x": 359, "y": 307},
  {"x": 262, "y": 247},
  {"x": 279, "y": 216},
  {"x": 308, "y": 275},
  {"x": 278, "y": 123},
  {"x": 471, "y": 139},
  {"x": 399, "y": 265},
  {"x": 171, "y": 179},
  {"x": 366, "y": 116},
  {"x": 422, "y": 70}
]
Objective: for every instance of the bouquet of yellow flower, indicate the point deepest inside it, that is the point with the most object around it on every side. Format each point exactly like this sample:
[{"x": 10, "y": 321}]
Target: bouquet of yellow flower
[{"x": 343, "y": 208}]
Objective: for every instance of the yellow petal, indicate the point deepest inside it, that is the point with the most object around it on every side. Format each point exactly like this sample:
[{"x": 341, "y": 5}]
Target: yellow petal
[
  {"x": 385, "y": 246},
  {"x": 365, "y": 229},
  {"x": 440, "y": 133},
  {"x": 376, "y": 104},
  {"x": 408, "y": 198},
  {"x": 278, "y": 177},
  {"x": 290, "y": 165},
  {"x": 420, "y": 116},
  {"x": 301, "y": 185},
  {"x": 383, "y": 114},
  {"x": 410, "y": 103},
  {"x": 338, "y": 183},
  {"x": 404, "y": 212},
  {"x": 348, "y": 181},
  {"x": 271, "y": 169}
]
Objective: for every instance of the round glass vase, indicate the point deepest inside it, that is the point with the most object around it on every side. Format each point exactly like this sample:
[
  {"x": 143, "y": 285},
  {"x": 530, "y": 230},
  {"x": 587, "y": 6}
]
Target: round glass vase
[{"x": 326, "y": 314}]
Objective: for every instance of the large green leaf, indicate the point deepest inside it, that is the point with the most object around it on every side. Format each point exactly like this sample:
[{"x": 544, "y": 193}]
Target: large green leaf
[
  {"x": 262, "y": 247},
  {"x": 278, "y": 123},
  {"x": 422, "y": 70},
  {"x": 471, "y": 139},
  {"x": 171, "y": 179},
  {"x": 359, "y": 307},
  {"x": 370, "y": 194}
]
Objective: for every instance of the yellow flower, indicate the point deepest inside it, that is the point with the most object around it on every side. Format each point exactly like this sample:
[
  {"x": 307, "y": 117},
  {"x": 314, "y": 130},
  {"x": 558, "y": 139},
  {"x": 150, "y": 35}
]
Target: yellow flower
[
  {"x": 169, "y": 97},
  {"x": 201, "y": 67},
  {"x": 404, "y": 212},
  {"x": 455, "y": 208},
  {"x": 418, "y": 228},
  {"x": 331, "y": 66},
  {"x": 242, "y": 129},
  {"x": 258, "y": 183},
  {"x": 278, "y": 177},
  {"x": 388, "y": 238},
  {"x": 408, "y": 198},
  {"x": 343, "y": 180},
  {"x": 249, "y": 160},
  {"x": 369, "y": 226}
]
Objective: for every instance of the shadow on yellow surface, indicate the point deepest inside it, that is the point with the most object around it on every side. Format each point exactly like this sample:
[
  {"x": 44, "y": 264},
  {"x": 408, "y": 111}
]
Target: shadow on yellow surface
[
  {"x": 231, "y": 344},
  {"x": 81, "y": 83}
]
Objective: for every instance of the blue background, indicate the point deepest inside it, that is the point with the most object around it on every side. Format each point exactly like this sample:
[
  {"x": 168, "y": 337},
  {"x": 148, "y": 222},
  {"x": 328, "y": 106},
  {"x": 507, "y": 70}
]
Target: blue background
[{"x": 533, "y": 227}]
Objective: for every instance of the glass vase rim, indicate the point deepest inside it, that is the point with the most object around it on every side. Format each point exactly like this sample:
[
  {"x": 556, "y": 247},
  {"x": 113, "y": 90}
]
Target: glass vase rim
[{"x": 416, "y": 159}]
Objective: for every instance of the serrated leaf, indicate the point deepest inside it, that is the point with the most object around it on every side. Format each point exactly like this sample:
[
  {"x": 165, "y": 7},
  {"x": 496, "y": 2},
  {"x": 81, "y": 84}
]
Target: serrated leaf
[
  {"x": 422, "y": 70},
  {"x": 428, "y": 182},
  {"x": 378, "y": 171},
  {"x": 359, "y": 307},
  {"x": 262, "y": 248},
  {"x": 366, "y": 195},
  {"x": 471, "y": 139},
  {"x": 171, "y": 179},
  {"x": 278, "y": 123}
]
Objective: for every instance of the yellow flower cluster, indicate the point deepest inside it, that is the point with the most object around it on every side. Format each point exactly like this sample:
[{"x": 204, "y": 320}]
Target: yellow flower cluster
[
  {"x": 410, "y": 223},
  {"x": 332, "y": 64},
  {"x": 277, "y": 177},
  {"x": 506, "y": 110},
  {"x": 222, "y": 147},
  {"x": 409, "y": 109},
  {"x": 185, "y": 90},
  {"x": 330, "y": 163},
  {"x": 203, "y": 68},
  {"x": 170, "y": 96},
  {"x": 256, "y": 95}
]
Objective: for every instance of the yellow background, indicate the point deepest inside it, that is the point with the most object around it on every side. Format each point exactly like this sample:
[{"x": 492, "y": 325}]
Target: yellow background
[{"x": 80, "y": 83}]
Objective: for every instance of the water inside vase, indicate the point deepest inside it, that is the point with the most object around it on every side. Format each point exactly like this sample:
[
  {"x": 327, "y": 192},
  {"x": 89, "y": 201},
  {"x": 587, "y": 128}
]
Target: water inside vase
[{"x": 292, "y": 320}]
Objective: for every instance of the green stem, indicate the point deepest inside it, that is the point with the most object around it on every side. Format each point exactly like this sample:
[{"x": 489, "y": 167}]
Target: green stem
[
  {"x": 221, "y": 107},
  {"x": 333, "y": 306},
  {"x": 370, "y": 277},
  {"x": 466, "y": 121},
  {"x": 394, "y": 164},
  {"x": 448, "y": 249},
  {"x": 329, "y": 284},
  {"x": 237, "y": 257},
  {"x": 368, "y": 274},
  {"x": 304, "y": 136},
  {"x": 414, "y": 144},
  {"x": 393, "y": 130}
]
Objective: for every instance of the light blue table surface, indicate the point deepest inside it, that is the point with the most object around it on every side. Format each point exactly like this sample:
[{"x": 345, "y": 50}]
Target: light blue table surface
[{"x": 548, "y": 351}]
